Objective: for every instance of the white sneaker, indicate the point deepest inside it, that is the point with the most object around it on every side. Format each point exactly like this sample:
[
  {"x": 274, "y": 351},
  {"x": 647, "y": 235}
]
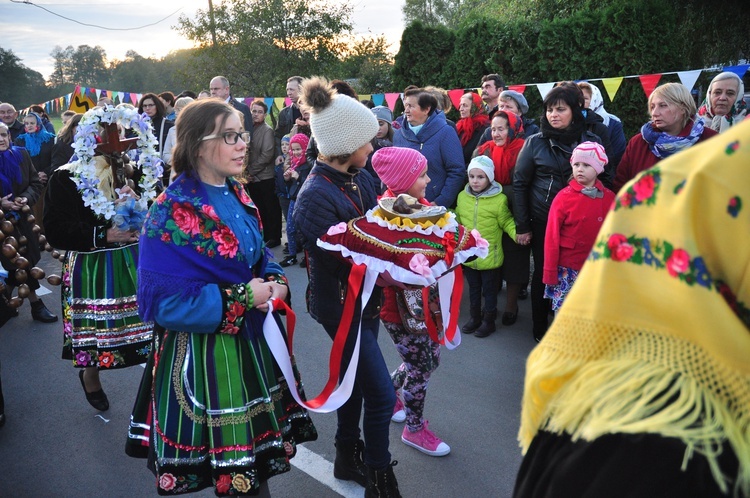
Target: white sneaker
[{"x": 399, "y": 415}]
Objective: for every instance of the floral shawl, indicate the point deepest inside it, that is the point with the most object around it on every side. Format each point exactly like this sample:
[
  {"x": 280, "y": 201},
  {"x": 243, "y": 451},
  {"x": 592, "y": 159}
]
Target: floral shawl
[
  {"x": 619, "y": 361},
  {"x": 735, "y": 115},
  {"x": 184, "y": 246}
]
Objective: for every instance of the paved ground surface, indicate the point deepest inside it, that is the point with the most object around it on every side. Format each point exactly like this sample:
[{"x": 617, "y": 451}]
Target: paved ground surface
[{"x": 55, "y": 444}]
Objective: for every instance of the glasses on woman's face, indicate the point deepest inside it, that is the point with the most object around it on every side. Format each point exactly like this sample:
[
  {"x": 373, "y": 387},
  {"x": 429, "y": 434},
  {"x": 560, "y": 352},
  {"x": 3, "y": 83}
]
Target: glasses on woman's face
[
  {"x": 230, "y": 137},
  {"x": 147, "y": 106}
]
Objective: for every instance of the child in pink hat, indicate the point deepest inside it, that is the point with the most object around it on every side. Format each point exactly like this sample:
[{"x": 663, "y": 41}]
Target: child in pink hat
[
  {"x": 575, "y": 217},
  {"x": 404, "y": 171}
]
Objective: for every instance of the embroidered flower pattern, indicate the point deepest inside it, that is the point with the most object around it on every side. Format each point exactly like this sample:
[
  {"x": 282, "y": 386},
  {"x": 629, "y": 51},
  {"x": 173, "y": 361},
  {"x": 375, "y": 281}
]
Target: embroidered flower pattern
[
  {"x": 235, "y": 298},
  {"x": 643, "y": 191},
  {"x": 178, "y": 484},
  {"x": 92, "y": 358},
  {"x": 184, "y": 224},
  {"x": 657, "y": 254},
  {"x": 679, "y": 187},
  {"x": 734, "y": 206}
]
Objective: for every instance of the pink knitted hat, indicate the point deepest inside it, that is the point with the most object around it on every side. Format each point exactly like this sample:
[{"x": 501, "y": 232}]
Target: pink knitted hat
[
  {"x": 398, "y": 167},
  {"x": 590, "y": 153}
]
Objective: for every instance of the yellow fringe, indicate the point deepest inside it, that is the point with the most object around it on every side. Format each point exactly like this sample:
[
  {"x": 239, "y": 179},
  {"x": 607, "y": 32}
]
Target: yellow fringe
[{"x": 588, "y": 399}]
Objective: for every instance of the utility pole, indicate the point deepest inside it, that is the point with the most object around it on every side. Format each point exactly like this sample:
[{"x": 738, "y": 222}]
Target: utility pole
[{"x": 213, "y": 25}]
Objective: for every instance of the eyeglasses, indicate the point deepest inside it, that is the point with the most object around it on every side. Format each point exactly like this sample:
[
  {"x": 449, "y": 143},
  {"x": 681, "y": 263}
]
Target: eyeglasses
[
  {"x": 259, "y": 111},
  {"x": 146, "y": 106},
  {"x": 230, "y": 137}
]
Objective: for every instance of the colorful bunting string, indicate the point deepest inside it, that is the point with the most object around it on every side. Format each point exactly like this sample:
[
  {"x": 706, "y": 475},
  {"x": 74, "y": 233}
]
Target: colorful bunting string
[{"x": 611, "y": 85}]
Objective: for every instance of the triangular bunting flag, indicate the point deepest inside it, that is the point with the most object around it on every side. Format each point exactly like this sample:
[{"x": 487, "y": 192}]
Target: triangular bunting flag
[
  {"x": 517, "y": 88},
  {"x": 249, "y": 101},
  {"x": 269, "y": 103},
  {"x": 287, "y": 102},
  {"x": 455, "y": 96},
  {"x": 280, "y": 102},
  {"x": 98, "y": 93},
  {"x": 688, "y": 78},
  {"x": 134, "y": 98},
  {"x": 544, "y": 88},
  {"x": 649, "y": 82},
  {"x": 611, "y": 85},
  {"x": 365, "y": 97},
  {"x": 738, "y": 70},
  {"x": 378, "y": 98},
  {"x": 391, "y": 99}
]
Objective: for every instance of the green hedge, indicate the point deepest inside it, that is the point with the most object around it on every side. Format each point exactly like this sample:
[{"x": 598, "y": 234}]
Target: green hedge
[{"x": 622, "y": 39}]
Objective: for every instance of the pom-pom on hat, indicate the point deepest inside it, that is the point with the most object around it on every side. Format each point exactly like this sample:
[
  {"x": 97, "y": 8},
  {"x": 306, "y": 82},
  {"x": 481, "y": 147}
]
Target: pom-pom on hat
[
  {"x": 592, "y": 154},
  {"x": 340, "y": 124},
  {"x": 382, "y": 113},
  {"x": 485, "y": 164},
  {"x": 398, "y": 167},
  {"x": 523, "y": 105}
]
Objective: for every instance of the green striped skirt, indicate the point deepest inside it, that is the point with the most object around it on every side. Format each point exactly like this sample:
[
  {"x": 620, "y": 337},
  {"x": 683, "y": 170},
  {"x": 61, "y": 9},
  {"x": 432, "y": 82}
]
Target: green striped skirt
[
  {"x": 101, "y": 326},
  {"x": 223, "y": 415}
]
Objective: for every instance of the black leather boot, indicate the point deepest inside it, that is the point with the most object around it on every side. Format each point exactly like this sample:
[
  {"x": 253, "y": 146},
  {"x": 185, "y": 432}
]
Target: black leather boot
[
  {"x": 488, "y": 324},
  {"x": 40, "y": 313},
  {"x": 382, "y": 483},
  {"x": 348, "y": 465},
  {"x": 474, "y": 322}
]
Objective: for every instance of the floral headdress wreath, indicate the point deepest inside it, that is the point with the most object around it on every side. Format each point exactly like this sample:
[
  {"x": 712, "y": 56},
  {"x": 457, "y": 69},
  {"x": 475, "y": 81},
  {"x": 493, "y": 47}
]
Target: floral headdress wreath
[{"x": 84, "y": 170}]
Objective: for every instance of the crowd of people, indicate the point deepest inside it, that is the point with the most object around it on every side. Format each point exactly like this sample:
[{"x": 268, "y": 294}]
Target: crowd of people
[{"x": 184, "y": 220}]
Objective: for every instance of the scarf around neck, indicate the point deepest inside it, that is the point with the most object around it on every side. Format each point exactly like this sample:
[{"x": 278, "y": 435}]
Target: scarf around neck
[
  {"x": 184, "y": 246},
  {"x": 663, "y": 144},
  {"x": 618, "y": 361},
  {"x": 33, "y": 141},
  {"x": 503, "y": 157},
  {"x": 568, "y": 136},
  {"x": 10, "y": 168},
  {"x": 467, "y": 126}
]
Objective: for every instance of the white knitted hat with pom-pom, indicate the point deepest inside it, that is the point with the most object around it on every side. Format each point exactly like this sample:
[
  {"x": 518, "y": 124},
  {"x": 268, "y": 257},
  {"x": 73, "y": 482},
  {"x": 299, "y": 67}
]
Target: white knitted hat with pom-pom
[{"x": 340, "y": 124}]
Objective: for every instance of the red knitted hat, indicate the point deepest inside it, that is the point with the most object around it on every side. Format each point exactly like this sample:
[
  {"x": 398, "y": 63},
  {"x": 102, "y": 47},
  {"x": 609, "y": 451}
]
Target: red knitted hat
[{"x": 398, "y": 167}]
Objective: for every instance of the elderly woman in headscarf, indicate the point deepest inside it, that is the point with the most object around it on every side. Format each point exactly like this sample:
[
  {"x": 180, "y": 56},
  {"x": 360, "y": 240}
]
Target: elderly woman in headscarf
[
  {"x": 593, "y": 100},
  {"x": 39, "y": 144},
  {"x": 474, "y": 121},
  {"x": 20, "y": 187},
  {"x": 724, "y": 105}
]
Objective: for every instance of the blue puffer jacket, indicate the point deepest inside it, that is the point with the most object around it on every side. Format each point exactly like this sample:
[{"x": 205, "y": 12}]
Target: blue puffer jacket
[
  {"x": 327, "y": 198},
  {"x": 439, "y": 143}
]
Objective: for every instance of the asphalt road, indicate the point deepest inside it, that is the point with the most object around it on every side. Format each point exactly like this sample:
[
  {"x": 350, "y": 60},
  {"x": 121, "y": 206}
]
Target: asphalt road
[{"x": 55, "y": 444}]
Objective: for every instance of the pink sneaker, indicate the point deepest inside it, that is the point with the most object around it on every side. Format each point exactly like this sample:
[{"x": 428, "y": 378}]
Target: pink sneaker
[
  {"x": 399, "y": 415},
  {"x": 425, "y": 441}
]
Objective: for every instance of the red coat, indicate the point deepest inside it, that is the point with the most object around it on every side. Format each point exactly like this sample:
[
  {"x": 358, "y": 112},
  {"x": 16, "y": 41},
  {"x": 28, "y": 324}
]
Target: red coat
[
  {"x": 638, "y": 157},
  {"x": 573, "y": 223}
]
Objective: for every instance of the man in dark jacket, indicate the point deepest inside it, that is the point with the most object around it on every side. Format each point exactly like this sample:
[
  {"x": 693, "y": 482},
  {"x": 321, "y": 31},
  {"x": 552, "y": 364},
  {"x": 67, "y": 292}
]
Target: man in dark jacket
[
  {"x": 289, "y": 115},
  {"x": 219, "y": 87},
  {"x": 9, "y": 116}
]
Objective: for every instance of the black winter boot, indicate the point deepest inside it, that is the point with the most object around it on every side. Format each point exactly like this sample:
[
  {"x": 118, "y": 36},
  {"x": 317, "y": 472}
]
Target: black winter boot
[
  {"x": 382, "y": 483},
  {"x": 474, "y": 322},
  {"x": 488, "y": 324},
  {"x": 348, "y": 465}
]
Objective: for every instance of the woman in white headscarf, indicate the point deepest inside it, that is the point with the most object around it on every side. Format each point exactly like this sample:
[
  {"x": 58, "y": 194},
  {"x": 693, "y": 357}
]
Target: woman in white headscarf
[
  {"x": 724, "y": 105},
  {"x": 593, "y": 100}
]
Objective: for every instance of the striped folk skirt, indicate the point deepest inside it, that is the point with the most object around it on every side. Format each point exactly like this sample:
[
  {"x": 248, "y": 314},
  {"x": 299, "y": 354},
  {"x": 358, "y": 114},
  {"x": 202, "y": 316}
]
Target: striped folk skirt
[
  {"x": 223, "y": 416},
  {"x": 101, "y": 325}
]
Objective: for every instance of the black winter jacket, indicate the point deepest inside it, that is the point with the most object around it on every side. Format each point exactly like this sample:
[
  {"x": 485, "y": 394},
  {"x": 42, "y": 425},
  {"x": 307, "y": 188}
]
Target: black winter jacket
[
  {"x": 327, "y": 198},
  {"x": 542, "y": 170}
]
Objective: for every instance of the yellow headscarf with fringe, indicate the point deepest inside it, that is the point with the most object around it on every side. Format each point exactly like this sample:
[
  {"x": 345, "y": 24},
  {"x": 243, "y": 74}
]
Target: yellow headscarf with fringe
[{"x": 654, "y": 337}]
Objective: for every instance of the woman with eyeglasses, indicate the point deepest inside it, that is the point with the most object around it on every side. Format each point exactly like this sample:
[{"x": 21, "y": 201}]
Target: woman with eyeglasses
[
  {"x": 219, "y": 404},
  {"x": 154, "y": 108}
]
